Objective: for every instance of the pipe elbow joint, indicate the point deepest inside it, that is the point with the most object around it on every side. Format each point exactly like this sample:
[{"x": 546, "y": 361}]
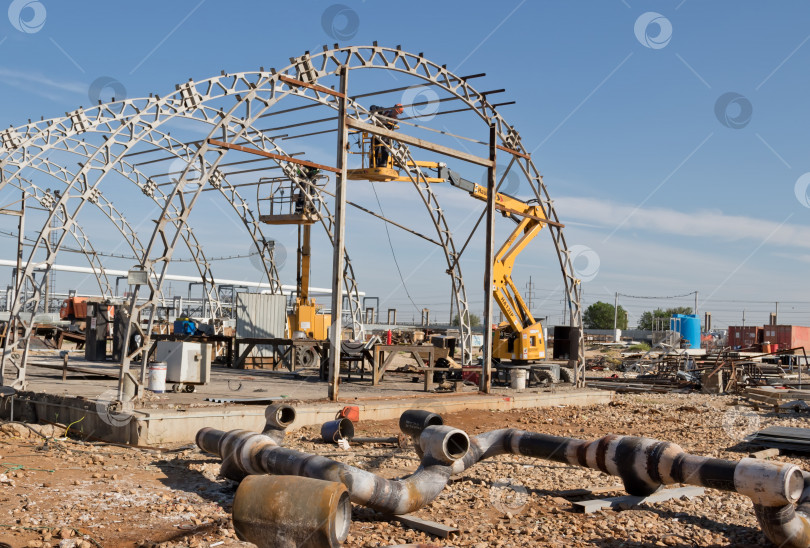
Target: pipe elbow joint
[
  {"x": 444, "y": 443},
  {"x": 279, "y": 417}
]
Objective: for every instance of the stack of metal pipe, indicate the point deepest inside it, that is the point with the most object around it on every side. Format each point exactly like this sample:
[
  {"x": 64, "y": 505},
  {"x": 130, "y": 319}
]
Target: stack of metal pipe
[{"x": 780, "y": 492}]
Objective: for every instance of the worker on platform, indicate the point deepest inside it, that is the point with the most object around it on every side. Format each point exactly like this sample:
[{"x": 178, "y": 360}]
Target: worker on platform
[{"x": 380, "y": 152}]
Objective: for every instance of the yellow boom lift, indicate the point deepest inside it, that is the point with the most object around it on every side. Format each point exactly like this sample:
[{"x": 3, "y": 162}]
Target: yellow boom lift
[{"x": 519, "y": 339}]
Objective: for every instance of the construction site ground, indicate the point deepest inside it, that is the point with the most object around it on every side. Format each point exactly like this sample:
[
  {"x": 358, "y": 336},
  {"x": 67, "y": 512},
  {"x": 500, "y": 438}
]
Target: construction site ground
[{"x": 65, "y": 492}]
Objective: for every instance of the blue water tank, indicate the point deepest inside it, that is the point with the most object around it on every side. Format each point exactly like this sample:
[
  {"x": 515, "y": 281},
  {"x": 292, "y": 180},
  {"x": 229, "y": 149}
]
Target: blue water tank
[{"x": 688, "y": 325}]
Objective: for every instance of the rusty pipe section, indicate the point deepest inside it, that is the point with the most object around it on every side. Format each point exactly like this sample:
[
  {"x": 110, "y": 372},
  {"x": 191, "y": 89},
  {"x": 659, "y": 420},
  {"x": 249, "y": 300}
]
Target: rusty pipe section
[
  {"x": 244, "y": 453},
  {"x": 291, "y": 512},
  {"x": 780, "y": 491}
]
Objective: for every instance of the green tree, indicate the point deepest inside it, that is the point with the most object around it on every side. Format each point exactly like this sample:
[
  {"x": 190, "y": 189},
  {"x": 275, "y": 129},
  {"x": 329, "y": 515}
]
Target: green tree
[
  {"x": 600, "y": 316},
  {"x": 656, "y": 317},
  {"x": 475, "y": 321}
]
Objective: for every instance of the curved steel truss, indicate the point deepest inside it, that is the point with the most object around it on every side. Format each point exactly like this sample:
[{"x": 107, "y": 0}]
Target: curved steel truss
[{"x": 125, "y": 138}]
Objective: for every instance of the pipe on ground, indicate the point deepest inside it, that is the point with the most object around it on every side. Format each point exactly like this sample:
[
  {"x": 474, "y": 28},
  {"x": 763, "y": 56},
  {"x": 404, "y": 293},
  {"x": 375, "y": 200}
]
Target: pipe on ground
[
  {"x": 780, "y": 491},
  {"x": 291, "y": 512},
  {"x": 244, "y": 453}
]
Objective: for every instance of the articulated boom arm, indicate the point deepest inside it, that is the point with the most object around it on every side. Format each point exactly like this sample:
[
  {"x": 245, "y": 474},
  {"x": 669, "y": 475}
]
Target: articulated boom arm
[{"x": 530, "y": 220}]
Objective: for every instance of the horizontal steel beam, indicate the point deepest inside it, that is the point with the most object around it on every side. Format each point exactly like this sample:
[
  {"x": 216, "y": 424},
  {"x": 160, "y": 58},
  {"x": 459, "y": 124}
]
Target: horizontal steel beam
[
  {"x": 258, "y": 152},
  {"x": 420, "y": 143}
]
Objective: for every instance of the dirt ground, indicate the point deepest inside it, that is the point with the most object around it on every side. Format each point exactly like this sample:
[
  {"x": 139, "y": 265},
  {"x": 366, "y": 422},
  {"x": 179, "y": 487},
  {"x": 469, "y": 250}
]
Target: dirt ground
[{"x": 67, "y": 493}]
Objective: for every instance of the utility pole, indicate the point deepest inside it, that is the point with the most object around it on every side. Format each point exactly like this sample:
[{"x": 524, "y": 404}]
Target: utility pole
[
  {"x": 696, "y": 304},
  {"x": 776, "y": 314},
  {"x": 489, "y": 280},
  {"x": 743, "y": 318},
  {"x": 529, "y": 293},
  {"x": 340, "y": 234},
  {"x": 616, "y": 311}
]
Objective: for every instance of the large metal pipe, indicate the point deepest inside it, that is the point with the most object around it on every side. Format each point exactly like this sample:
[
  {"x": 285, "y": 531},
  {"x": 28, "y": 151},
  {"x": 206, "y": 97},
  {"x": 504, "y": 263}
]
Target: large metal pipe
[
  {"x": 291, "y": 512},
  {"x": 245, "y": 453},
  {"x": 780, "y": 491}
]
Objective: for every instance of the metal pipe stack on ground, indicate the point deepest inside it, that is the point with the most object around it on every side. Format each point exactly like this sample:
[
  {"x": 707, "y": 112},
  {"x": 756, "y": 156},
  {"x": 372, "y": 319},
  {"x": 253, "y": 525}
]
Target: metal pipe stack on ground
[
  {"x": 250, "y": 453},
  {"x": 780, "y": 491}
]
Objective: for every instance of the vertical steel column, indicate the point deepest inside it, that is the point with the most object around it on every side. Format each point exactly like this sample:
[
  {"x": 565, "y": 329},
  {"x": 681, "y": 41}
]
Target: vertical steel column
[
  {"x": 18, "y": 283},
  {"x": 11, "y": 328},
  {"x": 489, "y": 280},
  {"x": 340, "y": 233}
]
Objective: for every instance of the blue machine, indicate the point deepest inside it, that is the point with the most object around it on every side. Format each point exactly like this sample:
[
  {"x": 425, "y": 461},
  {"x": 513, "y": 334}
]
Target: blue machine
[
  {"x": 688, "y": 325},
  {"x": 185, "y": 327}
]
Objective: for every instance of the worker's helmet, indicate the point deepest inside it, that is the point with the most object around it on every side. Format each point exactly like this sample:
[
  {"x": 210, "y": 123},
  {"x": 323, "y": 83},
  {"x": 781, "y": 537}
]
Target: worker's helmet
[{"x": 398, "y": 108}]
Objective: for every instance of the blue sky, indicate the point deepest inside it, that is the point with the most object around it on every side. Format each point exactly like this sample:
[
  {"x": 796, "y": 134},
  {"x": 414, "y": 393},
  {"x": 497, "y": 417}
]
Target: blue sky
[{"x": 664, "y": 195}]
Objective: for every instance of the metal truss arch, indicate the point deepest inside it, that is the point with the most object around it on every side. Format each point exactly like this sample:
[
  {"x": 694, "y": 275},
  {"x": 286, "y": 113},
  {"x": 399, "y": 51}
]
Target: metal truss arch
[
  {"x": 126, "y": 123},
  {"x": 312, "y": 67},
  {"x": 45, "y": 199}
]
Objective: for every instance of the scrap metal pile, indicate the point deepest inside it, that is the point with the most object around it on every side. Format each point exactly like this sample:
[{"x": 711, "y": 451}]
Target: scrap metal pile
[
  {"x": 666, "y": 369},
  {"x": 291, "y": 498}
]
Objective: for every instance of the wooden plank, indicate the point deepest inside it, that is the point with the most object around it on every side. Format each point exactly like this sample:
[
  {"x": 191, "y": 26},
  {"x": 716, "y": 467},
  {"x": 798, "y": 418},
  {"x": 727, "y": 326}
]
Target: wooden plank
[
  {"x": 590, "y": 506},
  {"x": 763, "y": 399},
  {"x": 258, "y": 152},
  {"x": 289, "y": 80},
  {"x": 421, "y": 143},
  {"x": 513, "y": 151},
  {"x": 432, "y": 527},
  {"x": 97, "y": 370}
]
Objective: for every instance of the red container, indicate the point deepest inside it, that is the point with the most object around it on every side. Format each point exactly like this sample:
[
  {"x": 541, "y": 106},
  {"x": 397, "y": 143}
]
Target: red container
[
  {"x": 351, "y": 412},
  {"x": 792, "y": 336},
  {"x": 744, "y": 336}
]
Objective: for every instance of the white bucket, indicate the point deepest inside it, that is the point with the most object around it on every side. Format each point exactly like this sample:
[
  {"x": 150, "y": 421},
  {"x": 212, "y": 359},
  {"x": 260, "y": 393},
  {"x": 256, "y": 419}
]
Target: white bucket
[
  {"x": 519, "y": 378},
  {"x": 157, "y": 377}
]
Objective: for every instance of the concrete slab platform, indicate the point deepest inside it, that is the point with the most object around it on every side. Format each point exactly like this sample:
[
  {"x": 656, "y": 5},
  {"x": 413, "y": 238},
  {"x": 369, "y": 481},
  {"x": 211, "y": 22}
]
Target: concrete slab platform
[{"x": 169, "y": 418}]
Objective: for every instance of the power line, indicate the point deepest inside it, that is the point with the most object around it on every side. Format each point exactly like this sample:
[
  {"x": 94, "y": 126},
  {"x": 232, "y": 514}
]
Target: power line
[
  {"x": 654, "y": 298},
  {"x": 393, "y": 254}
]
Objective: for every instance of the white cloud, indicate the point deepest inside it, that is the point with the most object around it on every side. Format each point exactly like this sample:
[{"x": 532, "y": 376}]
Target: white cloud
[
  {"x": 42, "y": 85},
  {"x": 709, "y": 224}
]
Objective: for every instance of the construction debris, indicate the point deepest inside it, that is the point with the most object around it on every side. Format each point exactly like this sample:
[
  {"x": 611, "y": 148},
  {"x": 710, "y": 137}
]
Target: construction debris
[{"x": 781, "y": 437}]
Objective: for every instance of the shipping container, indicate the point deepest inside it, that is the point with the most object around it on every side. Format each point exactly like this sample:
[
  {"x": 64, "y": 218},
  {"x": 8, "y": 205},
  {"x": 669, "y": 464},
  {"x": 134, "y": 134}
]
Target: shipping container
[
  {"x": 792, "y": 336},
  {"x": 749, "y": 336}
]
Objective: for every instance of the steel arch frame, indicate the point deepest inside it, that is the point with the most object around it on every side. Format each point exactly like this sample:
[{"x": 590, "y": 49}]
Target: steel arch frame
[
  {"x": 232, "y": 196},
  {"x": 81, "y": 177},
  {"x": 245, "y": 214},
  {"x": 250, "y": 85},
  {"x": 45, "y": 199}
]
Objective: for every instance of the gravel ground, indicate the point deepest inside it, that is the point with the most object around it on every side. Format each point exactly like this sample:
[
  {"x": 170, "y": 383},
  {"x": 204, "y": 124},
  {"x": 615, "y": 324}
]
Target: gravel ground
[{"x": 66, "y": 493}]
